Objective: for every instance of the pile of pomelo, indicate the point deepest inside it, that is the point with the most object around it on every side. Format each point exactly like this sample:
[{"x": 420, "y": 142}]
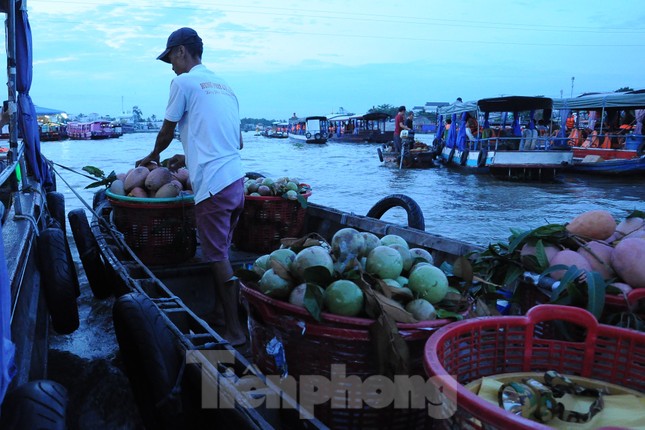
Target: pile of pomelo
[
  {"x": 152, "y": 181},
  {"x": 407, "y": 275},
  {"x": 288, "y": 188},
  {"x": 615, "y": 250}
]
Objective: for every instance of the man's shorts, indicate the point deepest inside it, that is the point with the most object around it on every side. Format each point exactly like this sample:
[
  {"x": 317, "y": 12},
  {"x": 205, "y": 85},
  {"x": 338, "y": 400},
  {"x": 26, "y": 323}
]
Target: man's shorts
[{"x": 216, "y": 218}]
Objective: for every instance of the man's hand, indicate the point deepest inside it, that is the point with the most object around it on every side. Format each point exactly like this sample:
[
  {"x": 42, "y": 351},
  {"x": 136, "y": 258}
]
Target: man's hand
[
  {"x": 147, "y": 160},
  {"x": 176, "y": 162}
]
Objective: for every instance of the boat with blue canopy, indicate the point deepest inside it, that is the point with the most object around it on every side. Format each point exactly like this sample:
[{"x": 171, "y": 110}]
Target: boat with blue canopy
[
  {"x": 607, "y": 133},
  {"x": 507, "y": 137}
]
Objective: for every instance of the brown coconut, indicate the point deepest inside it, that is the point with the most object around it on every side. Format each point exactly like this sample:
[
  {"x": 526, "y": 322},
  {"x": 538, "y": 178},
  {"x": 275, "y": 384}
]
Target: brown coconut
[
  {"x": 138, "y": 192},
  {"x": 628, "y": 260},
  {"x": 598, "y": 254},
  {"x": 158, "y": 178},
  {"x": 596, "y": 225},
  {"x": 629, "y": 225},
  {"x": 568, "y": 258},
  {"x": 168, "y": 190},
  {"x": 528, "y": 251},
  {"x": 136, "y": 178}
]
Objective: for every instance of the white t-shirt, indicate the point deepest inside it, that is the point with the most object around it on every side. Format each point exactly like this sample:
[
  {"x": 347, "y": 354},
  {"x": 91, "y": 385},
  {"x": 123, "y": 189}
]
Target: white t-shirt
[{"x": 207, "y": 112}]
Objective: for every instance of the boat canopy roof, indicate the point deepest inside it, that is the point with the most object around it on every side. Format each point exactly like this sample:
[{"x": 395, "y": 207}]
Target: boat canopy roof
[
  {"x": 514, "y": 104},
  {"x": 372, "y": 116},
  {"x": 458, "y": 107},
  {"x": 624, "y": 100}
]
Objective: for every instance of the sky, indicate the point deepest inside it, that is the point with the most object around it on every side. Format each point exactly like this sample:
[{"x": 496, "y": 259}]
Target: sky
[{"x": 314, "y": 57}]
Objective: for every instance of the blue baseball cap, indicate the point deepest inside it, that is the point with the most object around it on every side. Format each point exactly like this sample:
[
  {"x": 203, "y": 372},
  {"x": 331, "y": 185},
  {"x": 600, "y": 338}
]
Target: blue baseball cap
[{"x": 183, "y": 36}]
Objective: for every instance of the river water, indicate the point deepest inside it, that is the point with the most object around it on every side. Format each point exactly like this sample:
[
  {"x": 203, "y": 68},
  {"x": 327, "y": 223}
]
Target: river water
[{"x": 349, "y": 177}]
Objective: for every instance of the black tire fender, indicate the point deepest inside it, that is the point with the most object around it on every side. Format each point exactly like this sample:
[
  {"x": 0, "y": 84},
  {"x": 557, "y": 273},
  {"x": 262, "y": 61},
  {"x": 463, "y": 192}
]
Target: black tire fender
[
  {"x": 151, "y": 358},
  {"x": 379, "y": 151},
  {"x": 463, "y": 158},
  {"x": 308, "y": 135},
  {"x": 88, "y": 250},
  {"x": 641, "y": 148},
  {"x": 56, "y": 208},
  {"x": 40, "y": 404},
  {"x": 58, "y": 280},
  {"x": 254, "y": 175},
  {"x": 415, "y": 214},
  {"x": 481, "y": 158},
  {"x": 451, "y": 156}
]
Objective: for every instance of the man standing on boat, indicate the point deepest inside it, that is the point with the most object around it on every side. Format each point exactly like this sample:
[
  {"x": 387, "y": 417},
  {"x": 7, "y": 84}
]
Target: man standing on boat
[
  {"x": 399, "y": 124},
  {"x": 207, "y": 112}
]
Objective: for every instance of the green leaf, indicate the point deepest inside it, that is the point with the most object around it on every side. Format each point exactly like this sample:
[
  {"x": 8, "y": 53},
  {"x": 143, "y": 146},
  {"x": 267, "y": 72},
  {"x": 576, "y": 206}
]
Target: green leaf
[
  {"x": 636, "y": 214},
  {"x": 442, "y": 314},
  {"x": 313, "y": 300},
  {"x": 302, "y": 201},
  {"x": 518, "y": 240},
  {"x": 317, "y": 275},
  {"x": 512, "y": 274},
  {"x": 94, "y": 171},
  {"x": 596, "y": 288}
]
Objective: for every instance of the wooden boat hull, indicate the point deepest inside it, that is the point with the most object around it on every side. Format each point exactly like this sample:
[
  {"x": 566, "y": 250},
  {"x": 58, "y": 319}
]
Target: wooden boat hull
[
  {"x": 316, "y": 139},
  {"x": 614, "y": 167}
]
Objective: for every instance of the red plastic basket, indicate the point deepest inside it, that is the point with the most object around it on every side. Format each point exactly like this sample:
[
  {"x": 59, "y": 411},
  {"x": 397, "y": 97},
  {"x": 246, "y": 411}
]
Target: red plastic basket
[
  {"x": 468, "y": 350},
  {"x": 311, "y": 347},
  {"x": 267, "y": 219},
  {"x": 635, "y": 300},
  {"x": 159, "y": 232}
]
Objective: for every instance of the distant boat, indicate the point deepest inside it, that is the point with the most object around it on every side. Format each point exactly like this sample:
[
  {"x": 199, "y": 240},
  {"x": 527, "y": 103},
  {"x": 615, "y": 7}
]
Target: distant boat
[
  {"x": 278, "y": 130},
  {"x": 365, "y": 128},
  {"x": 597, "y": 149},
  {"x": 312, "y": 129},
  {"x": 94, "y": 130},
  {"x": 506, "y": 152}
]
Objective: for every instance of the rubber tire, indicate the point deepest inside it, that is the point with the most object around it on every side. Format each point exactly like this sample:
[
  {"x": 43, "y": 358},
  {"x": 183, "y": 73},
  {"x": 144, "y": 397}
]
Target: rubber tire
[
  {"x": 151, "y": 359},
  {"x": 481, "y": 158},
  {"x": 415, "y": 214},
  {"x": 379, "y": 151},
  {"x": 56, "y": 206},
  {"x": 317, "y": 136},
  {"x": 38, "y": 404},
  {"x": 451, "y": 156},
  {"x": 88, "y": 250},
  {"x": 308, "y": 135},
  {"x": 58, "y": 281},
  {"x": 254, "y": 175},
  {"x": 463, "y": 159}
]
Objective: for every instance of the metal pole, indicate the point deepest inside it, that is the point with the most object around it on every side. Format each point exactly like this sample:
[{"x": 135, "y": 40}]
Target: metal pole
[{"x": 572, "y": 79}]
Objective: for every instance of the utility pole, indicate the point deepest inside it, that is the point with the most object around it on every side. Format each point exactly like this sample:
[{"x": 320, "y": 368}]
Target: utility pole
[{"x": 572, "y": 79}]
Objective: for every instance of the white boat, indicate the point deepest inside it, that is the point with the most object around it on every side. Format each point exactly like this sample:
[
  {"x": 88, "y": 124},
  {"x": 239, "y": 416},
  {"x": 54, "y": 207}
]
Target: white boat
[
  {"x": 312, "y": 129},
  {"x": 514, "y": 151}
]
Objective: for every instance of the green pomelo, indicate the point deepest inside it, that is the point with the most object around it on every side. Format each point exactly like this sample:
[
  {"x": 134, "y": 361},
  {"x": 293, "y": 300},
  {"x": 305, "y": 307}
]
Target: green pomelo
[
  {"x": 260, "y": 264},
  {"x": 310, "y": 257},
  {"x": 421, "y": 253},
  {"x": 371, "y": 241},
  {"x": 405, "y": 255},
  {"x": 274, "y": 286},
  {"x": 283, "y": 256},
  {"x": 344, "y": 297},
  {"x": 348, "y": 242},
  {"x": 392, "y": 283},
  {"x": 384, "y": 262},
  {"x": 429, "y": 282},
  {"x": 402, "y": 280},
  {"x": 297, "y": 295},
  {"x": 391, "y": 239},
  {"x": 421, "y": 310}
]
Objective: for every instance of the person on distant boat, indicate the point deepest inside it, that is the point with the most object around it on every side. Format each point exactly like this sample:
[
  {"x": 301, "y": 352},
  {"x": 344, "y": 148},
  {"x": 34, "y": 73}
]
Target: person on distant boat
[
  {"x": 206, "y": 110},
  {"x": 571, "y": 122},
  {"x": 409, "y": 122},
  {"x": 447, "y": 128},
  {"x": 399, "y": 125}
]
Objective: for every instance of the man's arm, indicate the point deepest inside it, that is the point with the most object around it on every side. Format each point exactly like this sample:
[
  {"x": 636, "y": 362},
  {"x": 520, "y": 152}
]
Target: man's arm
[{"x": 165, "y": 136}]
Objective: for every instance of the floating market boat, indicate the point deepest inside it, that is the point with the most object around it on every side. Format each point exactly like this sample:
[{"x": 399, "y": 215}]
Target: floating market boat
[
  {"x": 365, "y": 128},
  {"x": 607, "y": 138},
  {"x": 312, "y": 129},
  {"x": 162, "y": 313},
  {"x": 416, "y": 155},
  {"x": 507, "y": 152},
  {"x": 38, "y": 281}
]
